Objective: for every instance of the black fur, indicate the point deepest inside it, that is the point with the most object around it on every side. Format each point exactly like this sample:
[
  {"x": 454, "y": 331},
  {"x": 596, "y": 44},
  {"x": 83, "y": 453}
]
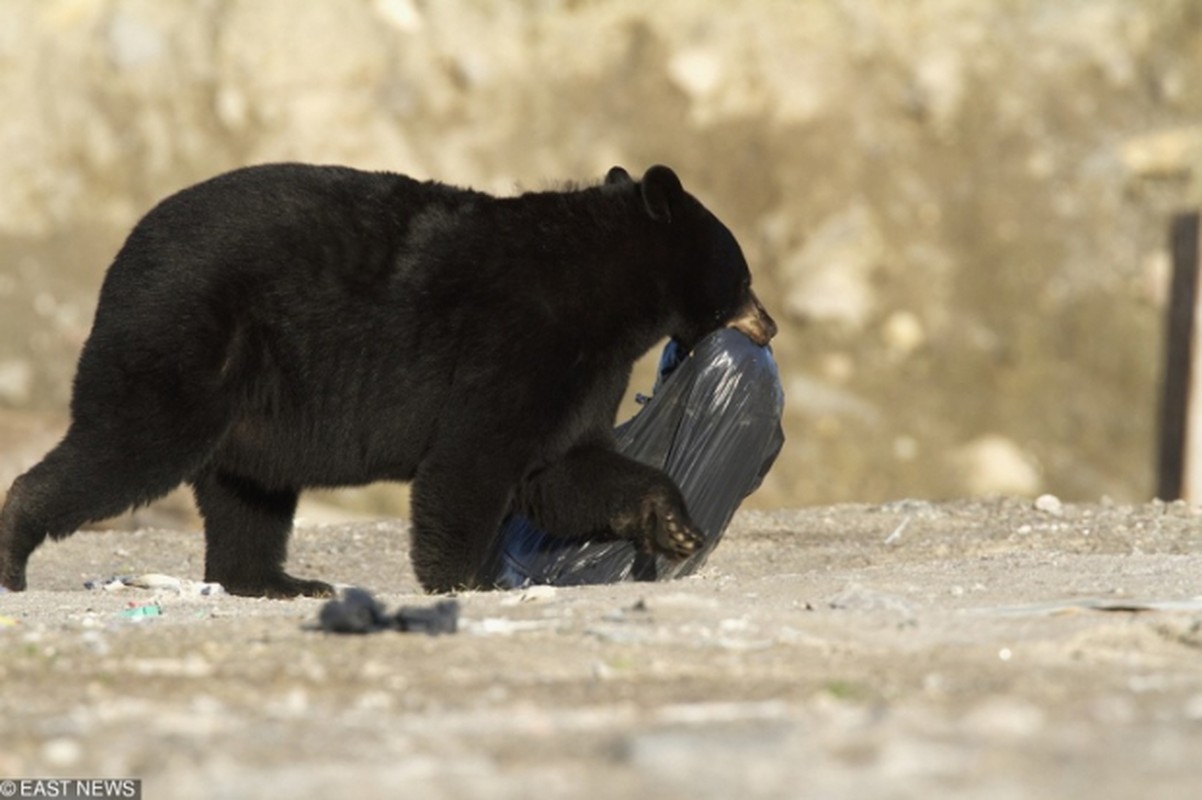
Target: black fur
[{"x": 288, "y": 326}]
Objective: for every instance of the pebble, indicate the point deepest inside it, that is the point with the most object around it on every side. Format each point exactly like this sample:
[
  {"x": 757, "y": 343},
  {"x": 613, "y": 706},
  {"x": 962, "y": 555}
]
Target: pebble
[
  {"x": 1049, "y": 504},
  {"x": 62, "y": 751}
]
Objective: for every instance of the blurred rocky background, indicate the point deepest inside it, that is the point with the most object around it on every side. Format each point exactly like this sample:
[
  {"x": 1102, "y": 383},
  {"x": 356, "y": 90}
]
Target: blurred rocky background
[{"x": 956, "y": 209}]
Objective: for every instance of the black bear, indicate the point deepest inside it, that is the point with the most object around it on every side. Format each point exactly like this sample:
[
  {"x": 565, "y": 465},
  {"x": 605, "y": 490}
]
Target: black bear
[{"x": 289, "y": 326}]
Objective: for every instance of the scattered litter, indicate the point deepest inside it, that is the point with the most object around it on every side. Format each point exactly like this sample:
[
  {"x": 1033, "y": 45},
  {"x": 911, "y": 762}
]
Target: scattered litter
[
  {"x": 358, "y": 612},
  {"x": 536, "y": 593},
  {"x": 897, "y": 532},
  {"x": 442, "y": 617},
  {"x": 153, "y": 580},
  {"x": 8, "y": 622},
  {"x": 912, "y": 508},
  {"x": 142, "y": 611},
  {"x": 157, "y": 582},
  {"x": 108, "y": 584}
]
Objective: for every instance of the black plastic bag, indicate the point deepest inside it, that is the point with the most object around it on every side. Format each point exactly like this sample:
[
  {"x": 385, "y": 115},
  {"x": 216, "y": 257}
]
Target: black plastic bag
[
  {"x": 713, "y": 424},
  {"x": 357, "y": 611}
]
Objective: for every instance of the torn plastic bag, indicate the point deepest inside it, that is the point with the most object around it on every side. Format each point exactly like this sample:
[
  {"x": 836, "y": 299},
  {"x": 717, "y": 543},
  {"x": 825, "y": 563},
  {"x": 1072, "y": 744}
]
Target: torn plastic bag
[
  {"x": 712, "y": 424},
  {"x": 357, "y": 611}
]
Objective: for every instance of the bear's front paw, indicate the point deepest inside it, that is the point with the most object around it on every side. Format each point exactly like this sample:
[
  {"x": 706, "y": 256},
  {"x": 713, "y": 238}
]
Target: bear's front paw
[
  {"x": 12, "y": 573},
  {"x": 674, "y": 537},
  {"x": 663, "y": 528}
]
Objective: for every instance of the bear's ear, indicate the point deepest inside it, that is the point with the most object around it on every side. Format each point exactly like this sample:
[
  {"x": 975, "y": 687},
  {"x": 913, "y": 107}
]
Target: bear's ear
[
  {"x": 661, "y": 193},
  {"x": 617, "y": 176}
]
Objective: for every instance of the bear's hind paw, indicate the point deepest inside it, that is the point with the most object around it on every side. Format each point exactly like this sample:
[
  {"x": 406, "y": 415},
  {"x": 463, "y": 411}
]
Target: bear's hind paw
[{"x": 279, "y": 587}]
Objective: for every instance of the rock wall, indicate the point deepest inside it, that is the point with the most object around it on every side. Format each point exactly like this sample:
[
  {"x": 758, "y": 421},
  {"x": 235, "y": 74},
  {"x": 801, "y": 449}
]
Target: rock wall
[{"x": 956, "y": 208}]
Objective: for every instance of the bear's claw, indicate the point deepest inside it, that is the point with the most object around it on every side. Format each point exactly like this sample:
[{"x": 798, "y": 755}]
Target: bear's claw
[
  {"x": 673, "y": 537},
  {"x": 661, "y": 526}
]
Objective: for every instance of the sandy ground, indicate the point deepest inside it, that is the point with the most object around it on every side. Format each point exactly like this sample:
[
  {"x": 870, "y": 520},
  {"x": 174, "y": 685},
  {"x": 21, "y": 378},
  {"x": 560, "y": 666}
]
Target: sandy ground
[{"x": 913, "y": 650}]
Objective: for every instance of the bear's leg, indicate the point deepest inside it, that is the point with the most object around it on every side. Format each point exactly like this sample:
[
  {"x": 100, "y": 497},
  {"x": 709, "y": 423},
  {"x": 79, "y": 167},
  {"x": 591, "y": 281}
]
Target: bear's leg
[
  {"x": 246, "y": 537},
  {"x": 594, "y": 488},
  {"x": 91, "y": 475},
  {"x": 457, "y": 504}
]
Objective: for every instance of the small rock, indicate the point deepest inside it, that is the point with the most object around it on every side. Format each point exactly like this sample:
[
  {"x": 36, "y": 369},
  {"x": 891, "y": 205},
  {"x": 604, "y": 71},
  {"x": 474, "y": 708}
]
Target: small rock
[
  {"x": 402, "y": 14},
  {"x": 1049, "y": 504},
  {"x": 995, "y": 465},
  {"x": 62, "y": 751},
  {"x": 903, "y": 333},
  {"x": 1164, "y": 153},
  {"x": 16, "y": 381},
  {"x": 697, "y": 71},
  {"x": 133, "y": 42}
]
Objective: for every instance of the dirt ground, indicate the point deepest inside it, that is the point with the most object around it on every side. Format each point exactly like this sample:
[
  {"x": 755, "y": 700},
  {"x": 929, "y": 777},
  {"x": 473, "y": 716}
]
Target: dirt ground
[{"x": 970, "y": 649}]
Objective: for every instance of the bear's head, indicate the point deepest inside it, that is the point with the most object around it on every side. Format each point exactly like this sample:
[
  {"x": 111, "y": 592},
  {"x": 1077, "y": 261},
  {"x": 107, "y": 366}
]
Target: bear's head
[{"x": 709, "y": 282}]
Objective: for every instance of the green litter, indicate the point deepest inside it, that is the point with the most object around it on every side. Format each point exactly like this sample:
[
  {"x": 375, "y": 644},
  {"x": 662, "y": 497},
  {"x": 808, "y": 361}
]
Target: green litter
[{"x": 143, "y": 611}]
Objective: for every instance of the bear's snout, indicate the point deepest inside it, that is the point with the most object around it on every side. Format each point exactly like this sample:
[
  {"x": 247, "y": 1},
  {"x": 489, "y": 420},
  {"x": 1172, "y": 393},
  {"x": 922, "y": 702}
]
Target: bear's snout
[{"x": 754, "y": 321}]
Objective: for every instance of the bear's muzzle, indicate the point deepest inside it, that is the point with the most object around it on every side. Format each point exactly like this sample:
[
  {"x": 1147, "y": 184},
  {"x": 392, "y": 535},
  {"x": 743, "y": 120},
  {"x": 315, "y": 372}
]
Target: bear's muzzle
[{"x": 753, "y": 321}]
